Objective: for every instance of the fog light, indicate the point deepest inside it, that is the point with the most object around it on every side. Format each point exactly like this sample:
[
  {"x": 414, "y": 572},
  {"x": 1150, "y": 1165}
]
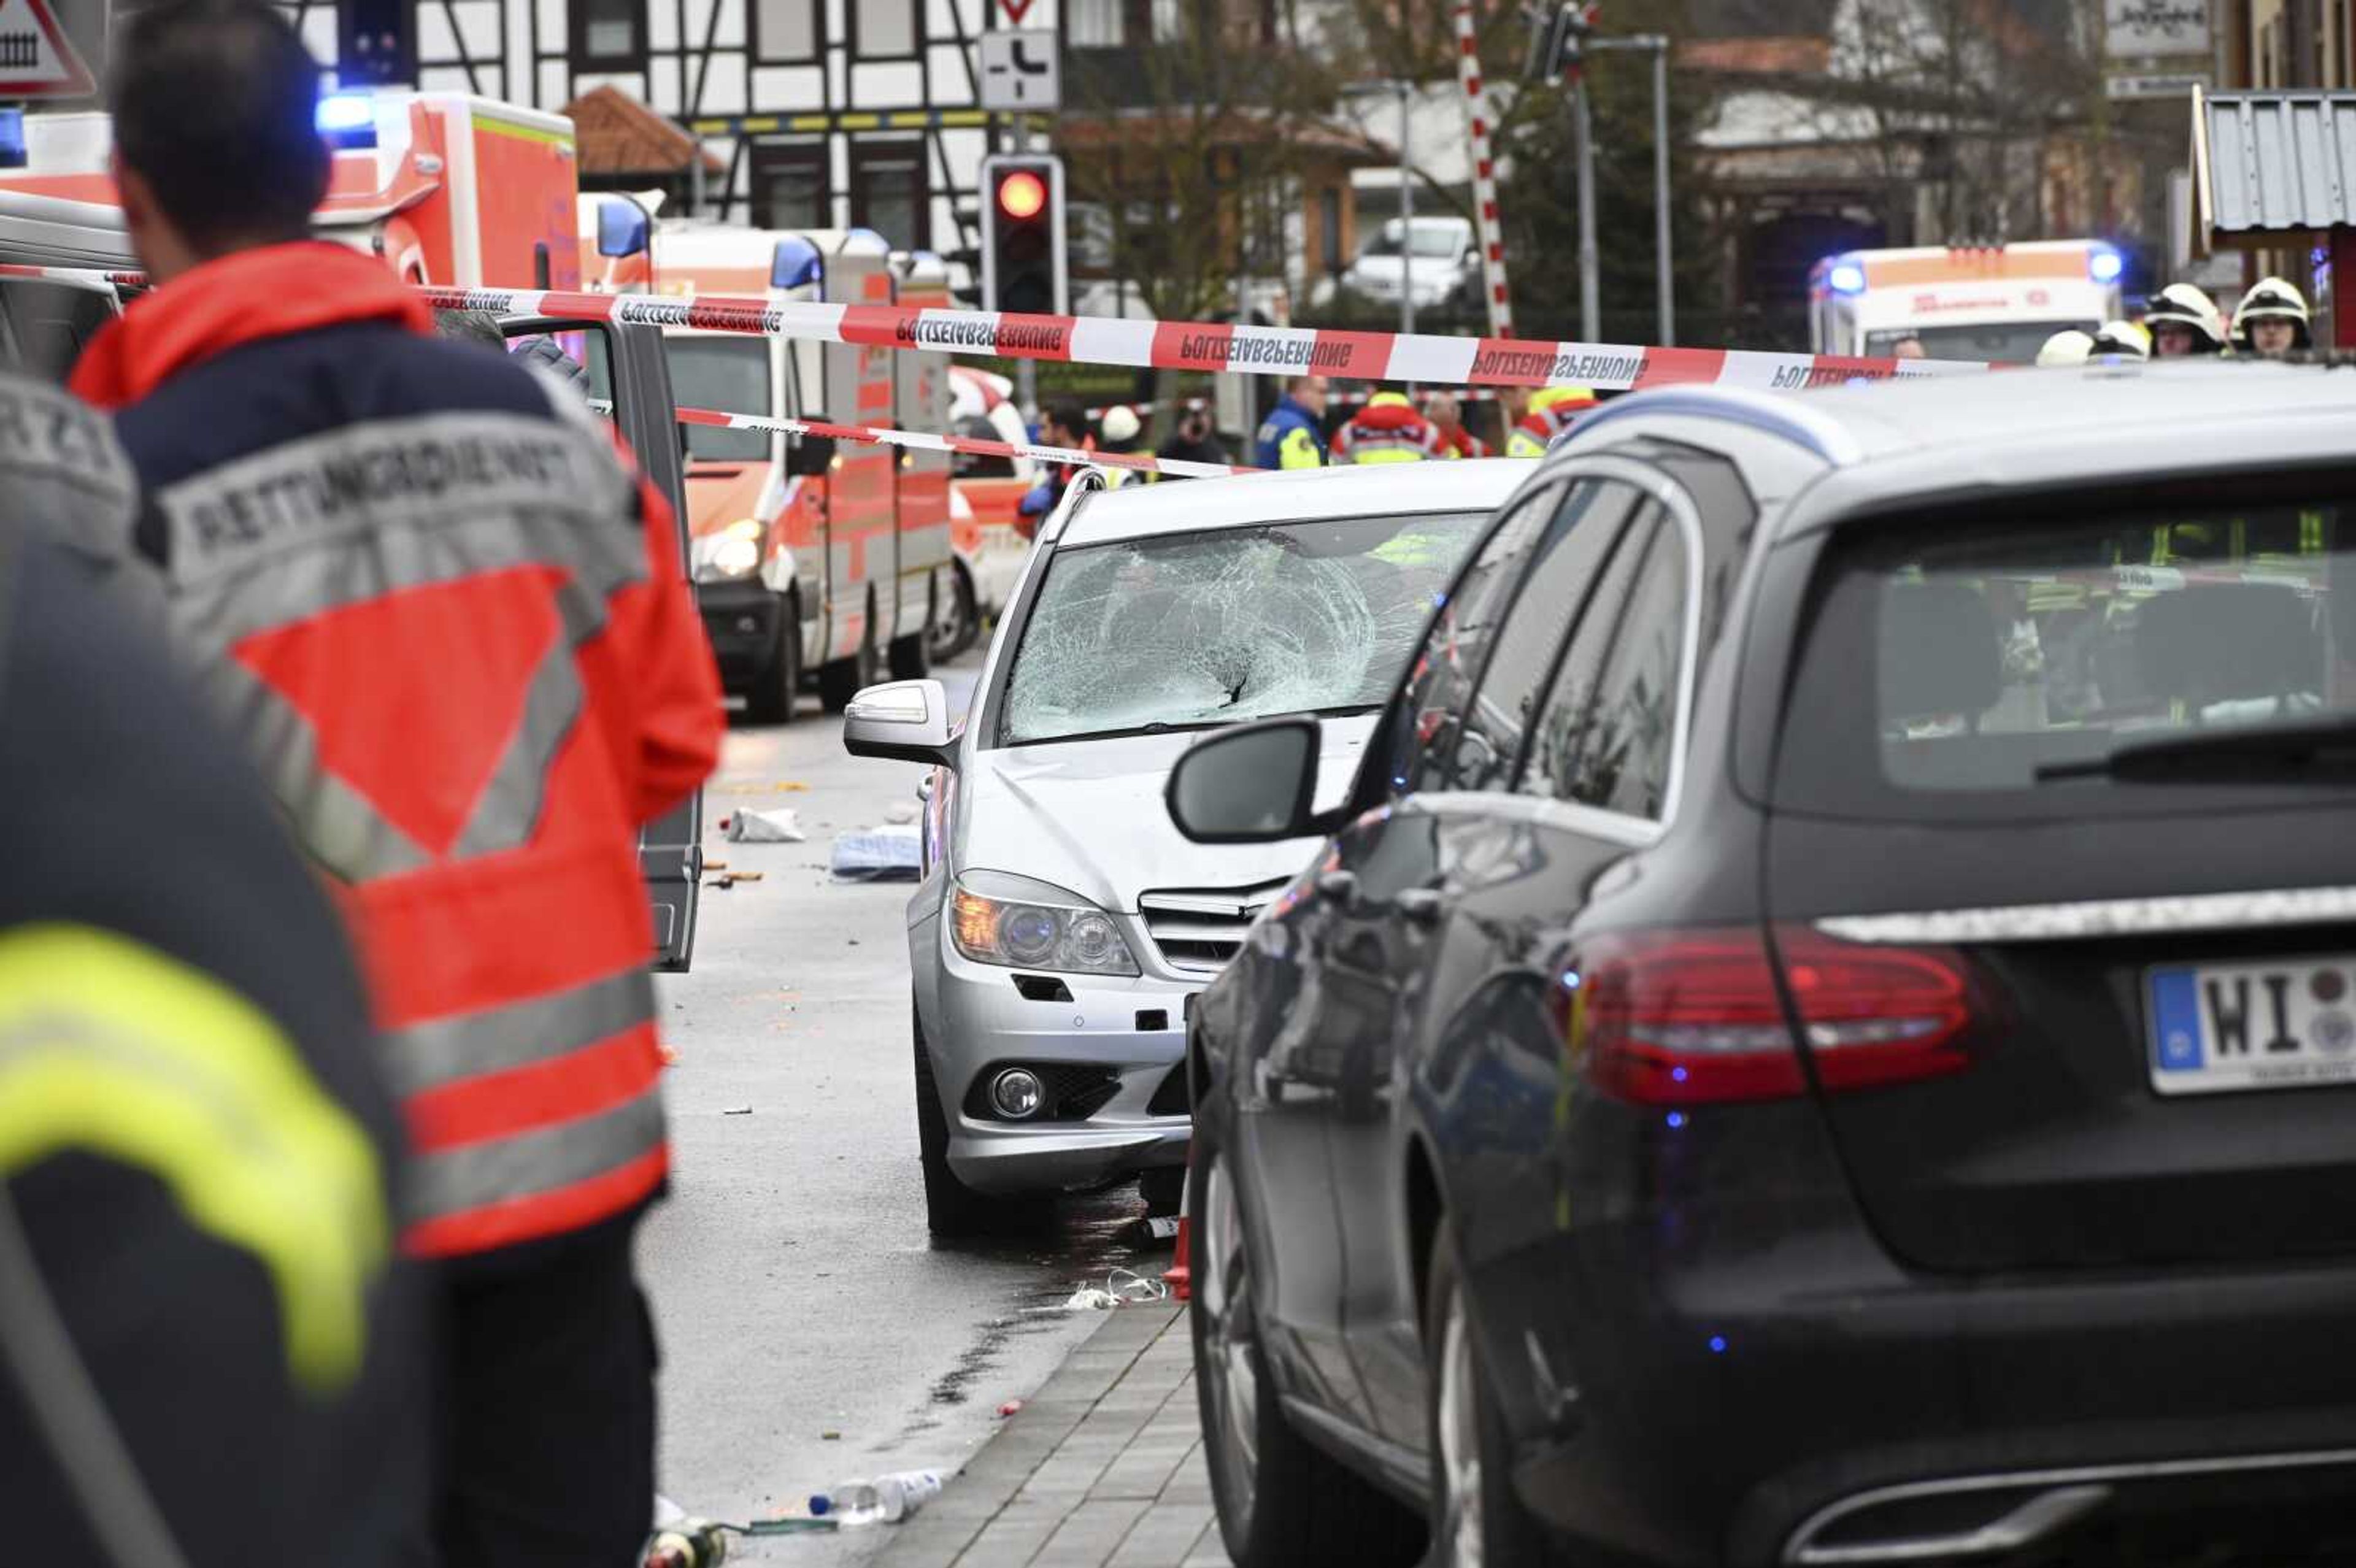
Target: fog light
[{"x": 1018, "y": 1093}]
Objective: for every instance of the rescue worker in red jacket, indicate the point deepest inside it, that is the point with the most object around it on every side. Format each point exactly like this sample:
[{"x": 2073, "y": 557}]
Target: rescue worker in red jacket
[
  {"x": 452, "y": 631},
  {"x": 1552, "y": 410},
  {"x": 1388, "y": 430},
  {"x": 1447, "y": 416}
]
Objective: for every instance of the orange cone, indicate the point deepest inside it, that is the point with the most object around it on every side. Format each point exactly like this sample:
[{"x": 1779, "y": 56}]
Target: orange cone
[{"x": 1178, "y": 1276}]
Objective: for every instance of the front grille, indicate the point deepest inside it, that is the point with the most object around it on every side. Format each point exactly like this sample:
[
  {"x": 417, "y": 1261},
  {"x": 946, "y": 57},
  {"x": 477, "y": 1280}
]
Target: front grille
[
  {"x": 1199, "y": 928},
  {"x": 1170, "y": 1099}
]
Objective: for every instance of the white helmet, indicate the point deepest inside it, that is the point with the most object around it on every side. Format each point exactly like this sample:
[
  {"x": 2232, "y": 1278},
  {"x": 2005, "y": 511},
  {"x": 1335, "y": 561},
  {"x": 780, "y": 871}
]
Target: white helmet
[
  {"x": 2184, "y": 305},
  {"x": 2067, "y": 346},
  {"x": 1119, "y": 423},
  {"x": 2122, "y": 338},
  {"x": 2273, "y": 299}
]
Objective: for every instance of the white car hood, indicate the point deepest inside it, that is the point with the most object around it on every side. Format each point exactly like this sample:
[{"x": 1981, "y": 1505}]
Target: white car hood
[{"x": 1088, "y": 817}]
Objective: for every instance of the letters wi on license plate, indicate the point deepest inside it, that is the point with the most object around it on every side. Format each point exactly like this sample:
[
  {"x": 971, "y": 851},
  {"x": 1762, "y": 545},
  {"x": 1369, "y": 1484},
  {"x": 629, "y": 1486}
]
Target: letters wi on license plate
[{"x": 2286, "y": 1023}]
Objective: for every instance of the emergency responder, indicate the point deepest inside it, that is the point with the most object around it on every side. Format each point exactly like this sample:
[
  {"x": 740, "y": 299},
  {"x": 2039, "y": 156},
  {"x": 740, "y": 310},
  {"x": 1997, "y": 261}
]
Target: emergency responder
[
  {"x": 2067, "y": 346},
  {"x": 1293, "y": 434},
  {"x": 1388, "y": 430},
  {"x": 453, "y": 629},
  {"x": 2183, "y": 322},
  {"x": 1552, "y": 410},
  {"x": 1447, "y": 417},
  {"x": 1909, "y": 347},
  {"x": 1120, "y": 430},
  {"x": 1065, "y": 426},
  {"x": 206, "y": 1356},
  {"x": 2121, "y": 340},
  {"x": 2271, "y": 321}
]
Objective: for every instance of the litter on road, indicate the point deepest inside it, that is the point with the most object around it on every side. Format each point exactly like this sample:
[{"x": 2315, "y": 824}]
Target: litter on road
[
  {"x": 1122, "y": 1287},
  {"x": 781, "y": 826},
  {"x": 889, "y": 853}
]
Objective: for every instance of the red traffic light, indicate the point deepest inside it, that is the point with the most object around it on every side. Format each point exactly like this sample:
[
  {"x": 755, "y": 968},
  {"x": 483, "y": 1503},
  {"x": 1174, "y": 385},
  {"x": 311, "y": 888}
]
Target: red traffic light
[{"x": 1022, "y": 195}]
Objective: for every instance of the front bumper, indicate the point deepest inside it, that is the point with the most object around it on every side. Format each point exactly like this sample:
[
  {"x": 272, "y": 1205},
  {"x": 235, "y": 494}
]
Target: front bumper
[
  {"x": 741, "y": 616},
  {"x": 976, "y": 1020}
]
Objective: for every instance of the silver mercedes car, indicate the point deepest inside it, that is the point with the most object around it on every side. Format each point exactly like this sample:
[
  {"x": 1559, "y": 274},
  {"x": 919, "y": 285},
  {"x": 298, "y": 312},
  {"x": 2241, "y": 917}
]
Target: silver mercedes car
[{"x": 1063, "y": 926}]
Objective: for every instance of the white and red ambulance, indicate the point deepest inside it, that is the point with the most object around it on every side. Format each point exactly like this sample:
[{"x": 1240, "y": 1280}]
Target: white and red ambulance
[
  {"x": 811, "y": 558},
  {"x": 1997, "y": 302}
]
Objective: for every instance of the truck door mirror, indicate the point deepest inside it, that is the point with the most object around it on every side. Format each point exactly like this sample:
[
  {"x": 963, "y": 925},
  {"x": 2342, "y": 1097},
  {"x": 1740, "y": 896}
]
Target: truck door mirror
[{"x": 808, "y": 456}]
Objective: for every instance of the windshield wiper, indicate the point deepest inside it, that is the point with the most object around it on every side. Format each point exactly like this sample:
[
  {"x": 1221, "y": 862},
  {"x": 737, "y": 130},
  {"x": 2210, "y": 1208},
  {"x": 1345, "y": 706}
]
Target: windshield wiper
[{"x": 2275, "y": 751}]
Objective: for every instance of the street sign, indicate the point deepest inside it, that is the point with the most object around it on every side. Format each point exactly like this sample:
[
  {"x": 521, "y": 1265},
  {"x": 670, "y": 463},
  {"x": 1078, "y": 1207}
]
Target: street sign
[
  {"x": 2131, "y": 29},
  {"x": 36, "y": 58},
  {"x": 2158, "y": 84},
  {"x": 1016, "y": 10},
  {"x": 1020, "y": 73}
]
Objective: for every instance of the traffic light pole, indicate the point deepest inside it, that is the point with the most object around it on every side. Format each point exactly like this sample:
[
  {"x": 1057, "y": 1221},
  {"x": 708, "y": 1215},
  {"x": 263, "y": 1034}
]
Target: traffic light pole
[
  {"x": 1026, "y": 373},
  {"x": 1582, "y": 142},
  {"x": 1664, "y": 272}
]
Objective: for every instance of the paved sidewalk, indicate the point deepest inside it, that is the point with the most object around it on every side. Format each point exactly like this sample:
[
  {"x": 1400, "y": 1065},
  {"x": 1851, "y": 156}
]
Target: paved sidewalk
[{"x": 1103, "y": 1469}]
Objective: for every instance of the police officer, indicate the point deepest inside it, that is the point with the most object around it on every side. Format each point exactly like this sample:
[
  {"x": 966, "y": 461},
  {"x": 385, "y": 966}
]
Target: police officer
[
  {"x": 452, "y": 630},
  {"x": 2272, "y": 321},
  {"x": 206, "y": 1355},
  {"x": 1388, "y": 430},
  {"x": 1552, "y": 410},
  {"x": 2183, "y": 322},
  {"x": 1293, "y": 434}
]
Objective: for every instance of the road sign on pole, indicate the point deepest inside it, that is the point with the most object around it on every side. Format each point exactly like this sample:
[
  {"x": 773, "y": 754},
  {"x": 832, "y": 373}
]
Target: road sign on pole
[
  {"x": 36, "y": 59},
  {"x": 1020, "y": 72}
]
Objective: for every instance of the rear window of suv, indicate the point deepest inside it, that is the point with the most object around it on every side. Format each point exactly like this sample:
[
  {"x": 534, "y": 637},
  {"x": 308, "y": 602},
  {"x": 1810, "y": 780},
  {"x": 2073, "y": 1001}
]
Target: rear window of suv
[{"x": 2080, "y": 665}]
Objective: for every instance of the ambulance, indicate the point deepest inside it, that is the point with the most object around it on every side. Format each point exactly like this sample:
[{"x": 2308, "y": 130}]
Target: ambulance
[
  {"x": 812, "y": 558},
  {"x": 447, "y": 187},
  {"x": 1995, "y": 302}
]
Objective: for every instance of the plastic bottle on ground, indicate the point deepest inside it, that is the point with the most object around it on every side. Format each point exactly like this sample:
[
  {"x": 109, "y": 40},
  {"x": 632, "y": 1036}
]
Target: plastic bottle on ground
[{"x": 885, "y": 1500}]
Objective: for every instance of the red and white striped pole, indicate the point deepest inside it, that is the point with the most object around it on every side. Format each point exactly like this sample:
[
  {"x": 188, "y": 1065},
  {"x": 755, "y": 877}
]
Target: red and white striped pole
[{"x": 1484, "y": 176}]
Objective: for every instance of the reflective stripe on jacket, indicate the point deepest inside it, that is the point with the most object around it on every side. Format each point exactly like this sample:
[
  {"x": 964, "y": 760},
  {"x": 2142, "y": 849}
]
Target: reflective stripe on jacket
[
  {"x": 452, "y": 631},
  {"x": 1290, "y": 437},
  {"x": 1385, "y": 433}
]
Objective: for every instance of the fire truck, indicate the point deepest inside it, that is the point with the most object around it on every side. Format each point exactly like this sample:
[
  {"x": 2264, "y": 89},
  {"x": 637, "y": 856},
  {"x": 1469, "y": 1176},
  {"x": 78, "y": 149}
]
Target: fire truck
[
  {"x": 812, "y": 560},
  {"x": 447, "y": 187},
  {"x": 1997, "y": 302}
]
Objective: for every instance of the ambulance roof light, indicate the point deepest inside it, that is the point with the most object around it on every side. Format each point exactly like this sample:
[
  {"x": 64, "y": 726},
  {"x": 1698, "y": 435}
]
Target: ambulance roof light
[
  {"x": 867, "y": 238},
  {"x": 2104, "y": 264},
  {"x": 795, "y": 264},
  {"x": 346, "y": 111},
  {"x": 621, "y": 228},
  {"x": 12, "y": 139},
  {"x": 1845, "y": 278}
]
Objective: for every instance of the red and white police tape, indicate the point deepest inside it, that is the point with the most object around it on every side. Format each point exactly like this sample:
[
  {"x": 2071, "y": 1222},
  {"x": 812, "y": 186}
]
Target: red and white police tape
[
  {"x": 921, "y": 440},
  {"x": 1213, "y": 346},
  {"x": 1485, "y": 174}
]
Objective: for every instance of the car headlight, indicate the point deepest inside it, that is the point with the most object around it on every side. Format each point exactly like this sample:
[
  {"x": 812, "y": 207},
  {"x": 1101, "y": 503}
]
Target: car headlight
[
  {"x": 1045, "y": 928},
  {"x": 734, "y": 551}
]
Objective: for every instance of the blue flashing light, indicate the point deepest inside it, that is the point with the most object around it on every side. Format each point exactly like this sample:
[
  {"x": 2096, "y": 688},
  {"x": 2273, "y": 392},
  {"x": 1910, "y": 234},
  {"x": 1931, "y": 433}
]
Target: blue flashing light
[
  {"x": 345, "y": 111},
  {"x": 2104, "y": 265},
  {"x": 1845, "y": 278},
  {"x": 1718, "y": 1344},
  {"x": 1676, "y": 1120},
  {"x": 795, "y": 263},
  {"x": 621, "y": 228},
  {"x": 12, "y": 139},
  {"x": 1677, "y": 1075}
]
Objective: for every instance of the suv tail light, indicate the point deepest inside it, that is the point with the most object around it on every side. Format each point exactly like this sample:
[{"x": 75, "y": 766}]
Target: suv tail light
[{"x": 1693, "y": 1015}]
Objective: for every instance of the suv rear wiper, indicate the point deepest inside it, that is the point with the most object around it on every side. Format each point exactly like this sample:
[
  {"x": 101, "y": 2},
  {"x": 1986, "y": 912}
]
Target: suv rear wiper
[{"x": 2271, "y": 751}]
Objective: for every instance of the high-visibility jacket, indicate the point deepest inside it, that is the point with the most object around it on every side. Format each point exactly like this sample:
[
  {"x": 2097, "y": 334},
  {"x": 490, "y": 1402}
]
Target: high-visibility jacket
[
  {"x": 1290, "y": 437},
  {"x": 1388, "y": 430},
  {"x": 1553, "y": 410},
  {"x": 1462, "y": 442},
  {"x": 452, "y": 630}
]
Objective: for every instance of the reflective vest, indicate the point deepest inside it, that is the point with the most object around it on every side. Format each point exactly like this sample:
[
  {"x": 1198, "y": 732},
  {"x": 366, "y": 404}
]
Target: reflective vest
[
  {"x": 1553, "y": 410},
  {"x": 451, "y": 629},
  {"x": 1462, "y": 442},
  {"x": 1385, "y": 432},
  {"x": 1290, "y": 438}
]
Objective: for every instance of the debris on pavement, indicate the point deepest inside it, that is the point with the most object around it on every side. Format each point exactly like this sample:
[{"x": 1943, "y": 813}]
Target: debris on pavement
[
  {"x": 886, "y": 1499},
  {"x": 1009, "y": 1407},
  {"x": 890, "y": 853},
  {"x": 1122, "y": 1287},
  {"x": 781, "y": 826}
]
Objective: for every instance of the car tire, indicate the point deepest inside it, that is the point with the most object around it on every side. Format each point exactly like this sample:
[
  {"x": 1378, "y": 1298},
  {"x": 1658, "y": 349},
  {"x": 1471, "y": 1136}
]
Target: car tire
[
  {"x": 955, "y": 633},
  {"x": 951, "y": 1207},
  {"x": 840, "y": 680},
  {"x": 1282, "y": 1503},
  {"x": 771, "y": 698},
  {"x": 1474, "y": 1519}
]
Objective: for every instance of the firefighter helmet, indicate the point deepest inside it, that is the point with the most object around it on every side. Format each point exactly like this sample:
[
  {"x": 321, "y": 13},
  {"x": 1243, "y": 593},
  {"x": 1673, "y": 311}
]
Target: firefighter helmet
[
  {"x": 2181, "y": 304},
  {"x": 2272, "y": 299},
  {"x": 2067, "y": 346},
  {"x": 2123, "y": 339}
]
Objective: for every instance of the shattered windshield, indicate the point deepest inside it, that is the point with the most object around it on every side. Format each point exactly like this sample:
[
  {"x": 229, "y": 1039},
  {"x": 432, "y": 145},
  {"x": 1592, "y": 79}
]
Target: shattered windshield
[{"x": 1193, "y": 630}]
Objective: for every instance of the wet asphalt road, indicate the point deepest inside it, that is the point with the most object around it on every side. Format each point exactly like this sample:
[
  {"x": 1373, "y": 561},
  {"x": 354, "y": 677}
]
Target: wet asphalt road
[{"x": 811, "y": 1331}]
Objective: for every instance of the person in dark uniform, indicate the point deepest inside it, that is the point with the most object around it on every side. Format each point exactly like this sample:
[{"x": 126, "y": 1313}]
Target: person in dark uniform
[{"x": 207, "y": 1356}]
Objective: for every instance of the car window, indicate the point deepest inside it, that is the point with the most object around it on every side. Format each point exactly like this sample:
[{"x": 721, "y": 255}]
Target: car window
[
  {"x": 1576, "y": 545},
  {"x": 1611, "y": 716},
  {"x": 1442, "y": 677}
]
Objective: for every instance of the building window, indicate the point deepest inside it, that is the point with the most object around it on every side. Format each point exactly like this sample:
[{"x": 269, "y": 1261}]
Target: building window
[
  {"x": 1111, "y": 24},
  {"x": 888, "y": 194},
  {"x": 1329, "y": 227},
  {"x": 788, "y": 30},
  {"x": 609, "y": 35},
  {"x": 886, "y": 29},
  {"x": 789, "y": 186}
]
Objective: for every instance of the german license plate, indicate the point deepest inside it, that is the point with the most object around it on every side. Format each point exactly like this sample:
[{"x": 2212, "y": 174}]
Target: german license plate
[{"x": 2284, "y": 1024}]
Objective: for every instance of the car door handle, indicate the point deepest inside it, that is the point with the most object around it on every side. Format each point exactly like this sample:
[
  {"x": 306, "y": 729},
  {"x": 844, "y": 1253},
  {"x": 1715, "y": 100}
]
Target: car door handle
[{"x": 1419, "y": 906}]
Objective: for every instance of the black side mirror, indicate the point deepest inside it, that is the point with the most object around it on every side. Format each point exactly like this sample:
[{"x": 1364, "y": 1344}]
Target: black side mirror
[
  {"x": 808, "y": 456},
  {"x": 1251, "y": 785}
]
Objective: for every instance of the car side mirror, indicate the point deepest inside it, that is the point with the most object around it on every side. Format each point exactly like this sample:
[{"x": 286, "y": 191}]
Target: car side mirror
[
  {"x": 808, "y": 456},
  {"x": 902, "y": 721},
  {"x": 1251, "y": 785}
]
